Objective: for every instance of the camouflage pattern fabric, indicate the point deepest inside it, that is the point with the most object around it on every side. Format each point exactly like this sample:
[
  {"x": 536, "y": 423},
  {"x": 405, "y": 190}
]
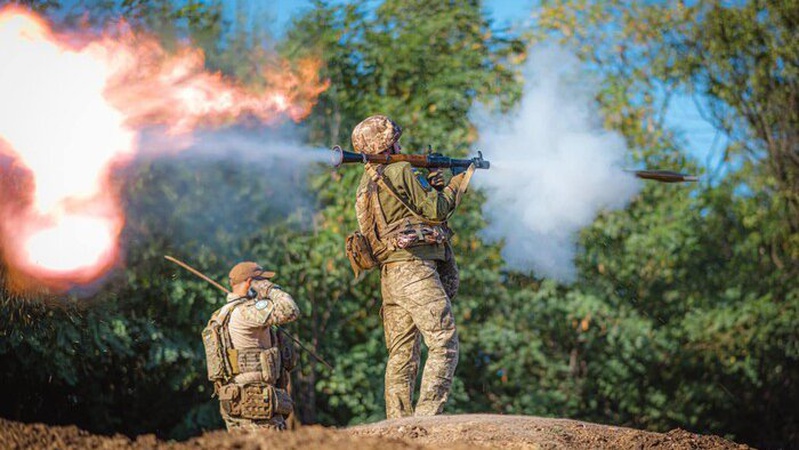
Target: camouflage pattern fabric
[
  {"x": 375, "y": 134},
  {"x": 281, "y": 307},
  {"x": 415, "y": 307},
  {"x": 250, "y": 322},
  {"x": 239, "y": 424},
  {"x": 250, "y": 327}
]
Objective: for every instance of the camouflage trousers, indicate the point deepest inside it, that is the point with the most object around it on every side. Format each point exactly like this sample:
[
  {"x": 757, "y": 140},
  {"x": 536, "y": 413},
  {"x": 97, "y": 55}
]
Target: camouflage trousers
[
  {"x": 241, "y": 424},
  {"x": 416, "y": 306}
]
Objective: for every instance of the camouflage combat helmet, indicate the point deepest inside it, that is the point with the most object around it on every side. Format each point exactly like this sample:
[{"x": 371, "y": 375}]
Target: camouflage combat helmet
[{"x": 375, "y": 134}]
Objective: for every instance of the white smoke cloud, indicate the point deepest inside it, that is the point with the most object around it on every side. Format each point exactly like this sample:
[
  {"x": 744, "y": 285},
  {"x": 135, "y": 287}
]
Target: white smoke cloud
[{"x": 553, "y": 167}]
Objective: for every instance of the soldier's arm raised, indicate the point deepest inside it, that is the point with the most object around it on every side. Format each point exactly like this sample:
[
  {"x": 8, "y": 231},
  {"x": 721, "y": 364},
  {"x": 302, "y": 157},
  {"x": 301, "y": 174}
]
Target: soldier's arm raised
[
  {"x": 432, "y": 204},
  {"x": 273, "y": 306},
  {"x": 285, "y": 308}
]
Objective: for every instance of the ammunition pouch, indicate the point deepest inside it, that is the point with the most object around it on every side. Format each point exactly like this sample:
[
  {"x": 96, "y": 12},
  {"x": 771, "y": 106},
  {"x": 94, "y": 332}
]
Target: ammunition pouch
[
  {"x": 254, "y": 401},
  {"x": 270, "y": 365},
  {"x": 415, "y": 234},
  {"x": 267, "y": 362},
  {"x": 359, "y": 252}
]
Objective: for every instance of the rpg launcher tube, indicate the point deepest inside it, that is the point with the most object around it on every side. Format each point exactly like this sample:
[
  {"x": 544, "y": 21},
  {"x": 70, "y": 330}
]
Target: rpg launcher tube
[
  {"x": 664, "y": 176},
  {"x": 428, "y": 161}
]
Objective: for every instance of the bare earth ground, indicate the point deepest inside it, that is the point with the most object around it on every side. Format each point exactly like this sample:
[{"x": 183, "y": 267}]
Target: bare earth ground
[{"x": 441, "y": 432}]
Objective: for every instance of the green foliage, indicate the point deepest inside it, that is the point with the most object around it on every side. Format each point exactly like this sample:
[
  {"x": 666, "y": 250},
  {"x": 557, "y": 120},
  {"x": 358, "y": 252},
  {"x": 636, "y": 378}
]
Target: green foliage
[
  {"x": 744, "y": 59},
  {"x": 707, "y": 270},
  {"x": 423, "y": 65},
  {"x": 686, "y": 310}
]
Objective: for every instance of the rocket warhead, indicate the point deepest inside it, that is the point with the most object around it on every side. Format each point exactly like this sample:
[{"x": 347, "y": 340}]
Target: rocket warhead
[{"x": 664, "y": 176}]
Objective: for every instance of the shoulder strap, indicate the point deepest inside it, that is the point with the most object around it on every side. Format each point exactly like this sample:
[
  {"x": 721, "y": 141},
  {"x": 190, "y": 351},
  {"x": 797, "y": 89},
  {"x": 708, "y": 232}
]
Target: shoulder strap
[
  {"x": 224, "y": 312},
  {"x": 231, "y": 354},
  {"x": 379, "y": 215},
  {"x": 385, "y": 184}
]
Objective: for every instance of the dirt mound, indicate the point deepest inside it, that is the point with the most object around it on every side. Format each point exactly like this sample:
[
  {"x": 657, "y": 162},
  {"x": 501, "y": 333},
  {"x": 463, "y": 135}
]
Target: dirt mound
[
  {"x": 525, "y": 432},
  {"x": 440, "y": 432},
  {"x": 19, "y": 436}
]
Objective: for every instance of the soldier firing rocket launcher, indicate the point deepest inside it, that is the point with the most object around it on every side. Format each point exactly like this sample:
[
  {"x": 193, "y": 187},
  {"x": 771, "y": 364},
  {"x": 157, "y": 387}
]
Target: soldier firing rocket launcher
[
  {"x": 428, "y": 161},
  {"x": 435, "y": 161}
]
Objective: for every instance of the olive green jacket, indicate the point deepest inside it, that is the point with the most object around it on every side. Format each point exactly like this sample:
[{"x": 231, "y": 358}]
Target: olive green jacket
[{"x": 432, "y": 204}]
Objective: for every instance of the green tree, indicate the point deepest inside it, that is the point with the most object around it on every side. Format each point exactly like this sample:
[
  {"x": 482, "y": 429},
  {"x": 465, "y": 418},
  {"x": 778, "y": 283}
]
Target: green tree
[{"x": 706, "y": 272}]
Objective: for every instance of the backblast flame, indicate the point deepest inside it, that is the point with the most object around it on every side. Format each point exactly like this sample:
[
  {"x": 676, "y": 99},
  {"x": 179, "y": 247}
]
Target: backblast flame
[{"x": 69, "y": 115}]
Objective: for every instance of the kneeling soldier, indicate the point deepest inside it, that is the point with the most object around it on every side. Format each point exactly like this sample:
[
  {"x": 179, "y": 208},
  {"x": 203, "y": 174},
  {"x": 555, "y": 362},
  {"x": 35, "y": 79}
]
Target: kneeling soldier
[{"x": 248, "y": 361}]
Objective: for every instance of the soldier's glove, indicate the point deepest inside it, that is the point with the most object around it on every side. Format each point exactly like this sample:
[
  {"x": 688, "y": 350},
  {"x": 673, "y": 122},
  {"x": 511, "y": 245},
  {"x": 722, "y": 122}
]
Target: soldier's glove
[{"x": 436, "y": 179}]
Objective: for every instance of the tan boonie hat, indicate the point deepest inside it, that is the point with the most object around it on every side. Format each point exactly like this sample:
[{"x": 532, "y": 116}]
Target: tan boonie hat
[{"x": 248, "y": 269}]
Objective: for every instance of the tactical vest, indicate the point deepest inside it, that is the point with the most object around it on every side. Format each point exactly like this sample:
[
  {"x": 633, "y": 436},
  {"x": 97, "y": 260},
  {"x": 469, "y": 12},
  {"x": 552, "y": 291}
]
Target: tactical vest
[
  {"x": 384, "y": 237},
  {"x": 224, "y": 362}
]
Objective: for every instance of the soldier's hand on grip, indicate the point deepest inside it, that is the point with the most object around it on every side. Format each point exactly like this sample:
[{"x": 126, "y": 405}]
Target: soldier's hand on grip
[{"x": 436, "y": 179}]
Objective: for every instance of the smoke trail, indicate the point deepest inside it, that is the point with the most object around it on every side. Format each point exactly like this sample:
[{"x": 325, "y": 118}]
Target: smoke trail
[
  {"x": 234, "y": 181},
  {"x": 265, "y": 147},
  {"x": 553, "y": 167}
]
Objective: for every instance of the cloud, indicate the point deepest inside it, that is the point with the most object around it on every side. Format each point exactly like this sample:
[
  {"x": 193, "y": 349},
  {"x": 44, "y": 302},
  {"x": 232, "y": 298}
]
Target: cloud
[{"x": 553, "y": 167}]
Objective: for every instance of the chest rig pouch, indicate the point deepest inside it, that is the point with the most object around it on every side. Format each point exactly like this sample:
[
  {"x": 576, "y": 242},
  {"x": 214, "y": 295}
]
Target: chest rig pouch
[
  {"x": 255, "y": 401},
  {"x": 266, "y": 362}
]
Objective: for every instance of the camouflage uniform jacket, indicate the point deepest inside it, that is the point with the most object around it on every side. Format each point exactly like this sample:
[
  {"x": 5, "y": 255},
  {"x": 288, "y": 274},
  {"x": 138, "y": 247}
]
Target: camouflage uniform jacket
[
  {"x": 432, "y": 204},
  {"x": 250, "y": 324}
]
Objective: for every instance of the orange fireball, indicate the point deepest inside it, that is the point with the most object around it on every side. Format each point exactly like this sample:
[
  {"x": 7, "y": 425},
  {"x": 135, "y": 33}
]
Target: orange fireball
[{"x": 69, "y": 115}]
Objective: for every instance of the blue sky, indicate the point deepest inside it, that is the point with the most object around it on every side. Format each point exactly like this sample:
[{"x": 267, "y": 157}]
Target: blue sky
[{"x": 502, "y": 11}]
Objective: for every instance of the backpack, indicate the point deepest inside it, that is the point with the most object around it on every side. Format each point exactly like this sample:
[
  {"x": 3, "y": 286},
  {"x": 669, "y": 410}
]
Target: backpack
[{"x": 218, "y": 346}]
